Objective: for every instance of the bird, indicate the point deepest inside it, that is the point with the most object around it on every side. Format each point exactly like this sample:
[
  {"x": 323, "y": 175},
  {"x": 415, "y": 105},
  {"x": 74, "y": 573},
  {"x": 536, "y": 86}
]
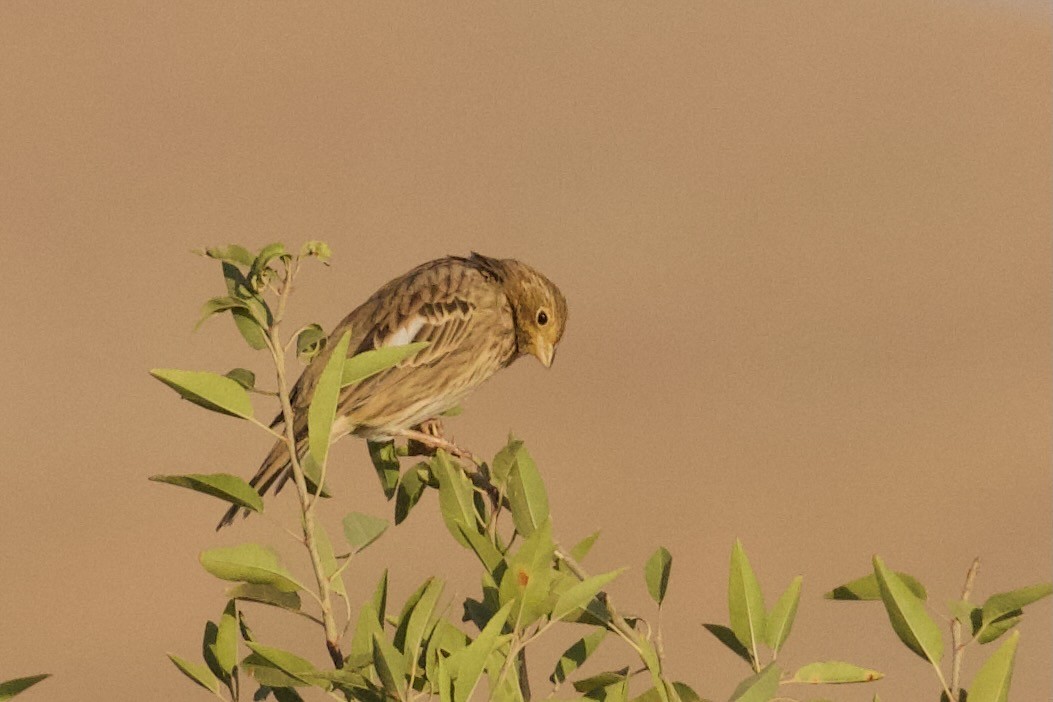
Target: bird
[{"x": 477, "y": 314}]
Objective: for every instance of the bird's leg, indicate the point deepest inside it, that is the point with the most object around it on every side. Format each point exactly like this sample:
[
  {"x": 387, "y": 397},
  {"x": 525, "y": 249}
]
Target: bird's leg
[
  {"x": 432, "y": 428},
  {"x": 427, "y": 437}
]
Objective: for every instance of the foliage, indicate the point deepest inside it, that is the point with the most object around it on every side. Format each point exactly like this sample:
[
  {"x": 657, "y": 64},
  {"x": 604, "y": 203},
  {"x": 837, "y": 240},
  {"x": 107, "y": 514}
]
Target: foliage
[{"x": 529, "y": 584}]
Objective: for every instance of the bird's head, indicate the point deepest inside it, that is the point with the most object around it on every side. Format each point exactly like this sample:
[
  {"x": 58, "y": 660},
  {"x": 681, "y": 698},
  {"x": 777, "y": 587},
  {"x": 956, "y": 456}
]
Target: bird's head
[{"x": 540, "y": 310}]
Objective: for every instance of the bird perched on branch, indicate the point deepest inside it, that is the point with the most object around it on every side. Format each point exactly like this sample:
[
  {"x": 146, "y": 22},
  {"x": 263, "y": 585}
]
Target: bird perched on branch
[{"x": 478, "y": 315}]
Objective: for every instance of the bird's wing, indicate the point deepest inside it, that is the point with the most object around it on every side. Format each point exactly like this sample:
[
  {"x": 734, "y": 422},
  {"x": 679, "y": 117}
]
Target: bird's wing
[{"x": 434, "y": 303}]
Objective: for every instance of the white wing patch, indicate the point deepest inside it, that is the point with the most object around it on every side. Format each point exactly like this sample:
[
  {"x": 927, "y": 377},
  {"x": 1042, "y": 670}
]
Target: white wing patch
[{"x": 406, "y": 333}]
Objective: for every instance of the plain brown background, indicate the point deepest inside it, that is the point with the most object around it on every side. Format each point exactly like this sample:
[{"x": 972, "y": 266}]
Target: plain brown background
[{"x": 806, "y": 248}]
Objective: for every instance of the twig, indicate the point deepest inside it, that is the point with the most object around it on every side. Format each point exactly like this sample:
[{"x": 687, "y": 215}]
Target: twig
[
  {"x": 617, "y": 623},
  {"x": 957, "y": 646},
  {"x": 332, "y": 638}
]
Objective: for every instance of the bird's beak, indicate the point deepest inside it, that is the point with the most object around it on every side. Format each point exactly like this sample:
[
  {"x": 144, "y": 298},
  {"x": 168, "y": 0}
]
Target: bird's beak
[{"x": 545, "y": 352}]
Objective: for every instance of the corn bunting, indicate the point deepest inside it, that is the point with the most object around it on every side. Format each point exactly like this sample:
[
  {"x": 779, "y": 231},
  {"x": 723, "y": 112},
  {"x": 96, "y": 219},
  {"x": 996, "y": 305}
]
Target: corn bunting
[{"x": 478, "y": 315}]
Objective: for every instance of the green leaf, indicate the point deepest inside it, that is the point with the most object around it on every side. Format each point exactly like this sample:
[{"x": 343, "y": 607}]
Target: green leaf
[
  {"x": 445, "y": 639},
  {"x": 317, "y": 249},
  {"x": 1003, "y": 603},
  {"x": 501, "y": 466},
  {"x": 243, "y": 377},
  {"x": 233, "y": 253},
  {"x": 686, "y": 693},
  {"x": 906, "y": 612},
  {"x": 456, "y": 501},
  {"x": 783, "y": 612},
  {"x": 576, "y": 655},
  {"x": 225, "y": 647},
  {"x": 830, "y": 672},
  {"x": 472, "y": 659},
  {"x": 216, "y": 305},
  {"x": 309, "y": 342},
  {"x": 312, "y": 473},
  {"x": 255, "y": 316},
  {"x": 601, "y": 680},
  {"x": 991, "y": 683},
  {"x": 198, "y": 672},
  {"x": 289, "y": 663},
  {"x": 526, "y": 494},
  {"x": 963, "y": 611},
  {"x": 994, "y": 630},
  {"x": 10, "y": 688},
  {"x": 229, "y": 488},
  {"x": 265, "y": 594},
  {"x": 867, "y": 588},
  {"x": 249, "y": 329},
  {"x": 322, "y": 412},
  {"x": 408, "y": 493},
  {"x": 267, "y": 674},
  {"x": 758, "y": 688},
  {"x": 326, "y": 554},
  {"x": 582, "y": 548},
  {"x": 745, "y": 601},
  {"x": 380, "y": 598},
  {"x": 368, "y": 363},
  {"x": 581, "y": 594},
  {"x": 656, "y": 574},
  {"x": 390, "y": 667},
  {"x": 209, "y": 390},
  {"x": 727, "y": 637},
  {"x": 263, "y": 259},
  {"x": 487, "y": 553},
  {"x": 362, "y": 529},
  {"x": 414, "y": 625},
  {"x": 366, "y": 628},
  {"x": 250, "y": 563},
  {"x": 386, "y": 463},
  {"x": 528, "y": 580}
]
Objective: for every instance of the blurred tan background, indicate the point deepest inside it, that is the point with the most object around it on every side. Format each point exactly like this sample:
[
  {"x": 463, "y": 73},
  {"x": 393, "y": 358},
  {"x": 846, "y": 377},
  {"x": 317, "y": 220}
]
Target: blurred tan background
[{"x": 806, "y": 248}]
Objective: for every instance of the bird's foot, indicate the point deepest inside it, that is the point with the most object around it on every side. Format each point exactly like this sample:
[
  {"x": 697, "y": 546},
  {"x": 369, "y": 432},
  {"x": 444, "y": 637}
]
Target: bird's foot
[
  {"x": 427, "y": 438},
  {"x": 431, "y": 428}
]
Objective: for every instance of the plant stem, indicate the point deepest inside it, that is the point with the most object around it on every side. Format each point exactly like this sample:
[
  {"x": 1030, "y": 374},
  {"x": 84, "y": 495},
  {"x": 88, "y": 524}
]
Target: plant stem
[
  {"x": 957, "y": 647},
  {"x": 332, "y": 638},
  {"x": 617, "y": 623}
]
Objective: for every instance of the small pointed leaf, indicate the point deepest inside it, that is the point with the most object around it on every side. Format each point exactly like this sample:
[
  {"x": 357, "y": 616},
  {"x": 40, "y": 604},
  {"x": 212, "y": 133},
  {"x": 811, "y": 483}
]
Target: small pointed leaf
[
  {"x": 867, "y": 588},
  {"x": 322, "y": 411},
  {"x": 362, "y": 529},
  {"x": 229, "y": 488},
  {"x": 780, "y": 619},
  {"x": 368, "y": 363},
  {"x": 209, "y": 390},
  {"x": 991, "y": 683},
  {"x": 386, "y": 463},
  {"x": 581, "y": 594},
  {"x": 198, "y": 672},
  {"x": 10, "y": 688},
  {"x": 727, "y": 637},
  {"x": 745, "y": 601},
  {"x": 758, "y": 688},
  {"x": 1005, "y": 602},
  {"x": 309, "y": 342},
  {"x": 906, "y": 612},
  {"x": 576, "y": 655},
  {"x": 526, "y": 494},
  {"x": 265, "y": 594},
  {"x": 249, "y": 563},
  {"x": 830, "y": 672},
  {"x": 656, "y": 574}
]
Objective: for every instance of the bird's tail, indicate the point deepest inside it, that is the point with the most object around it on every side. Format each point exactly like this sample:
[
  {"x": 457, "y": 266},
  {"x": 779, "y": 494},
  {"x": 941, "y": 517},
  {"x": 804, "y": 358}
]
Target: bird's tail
[{"x": 274, "y": 472}]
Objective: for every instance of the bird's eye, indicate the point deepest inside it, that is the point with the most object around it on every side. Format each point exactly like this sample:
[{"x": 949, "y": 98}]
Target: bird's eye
[{"x": 542, "y": 318}]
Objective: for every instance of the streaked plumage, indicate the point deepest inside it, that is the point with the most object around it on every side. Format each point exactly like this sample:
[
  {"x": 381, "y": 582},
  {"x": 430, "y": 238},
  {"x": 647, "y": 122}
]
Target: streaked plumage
[{"x": 478, "y": 314}]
